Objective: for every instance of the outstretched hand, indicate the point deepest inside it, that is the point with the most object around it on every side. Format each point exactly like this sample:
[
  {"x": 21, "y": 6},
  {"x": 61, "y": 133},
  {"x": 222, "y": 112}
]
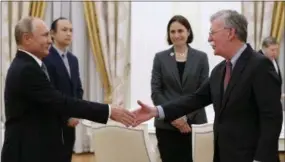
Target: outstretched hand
[
  {"x": 144, "y": 113},
  {"x": 123, "y": 116}
]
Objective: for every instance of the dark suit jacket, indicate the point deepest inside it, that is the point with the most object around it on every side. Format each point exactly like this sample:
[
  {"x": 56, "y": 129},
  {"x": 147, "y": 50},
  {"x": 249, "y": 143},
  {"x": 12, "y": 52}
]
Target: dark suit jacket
[
  {"x": 166, "y": 84},
  {"x": 279, "y": 71},
  {"x": 59, "y": 76},
  {"x": 248, "y": 117},
  {"x": 32, "y": 109}
]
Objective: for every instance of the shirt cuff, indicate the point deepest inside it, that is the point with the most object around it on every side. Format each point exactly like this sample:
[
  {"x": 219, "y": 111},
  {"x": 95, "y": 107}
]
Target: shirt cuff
[
  {"x": 109, "y": 111},
  {"x": 160, "y": 110}
]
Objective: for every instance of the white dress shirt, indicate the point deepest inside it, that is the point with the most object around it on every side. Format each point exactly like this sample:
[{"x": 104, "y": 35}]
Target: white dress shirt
[{"x": 275, "y": 65}]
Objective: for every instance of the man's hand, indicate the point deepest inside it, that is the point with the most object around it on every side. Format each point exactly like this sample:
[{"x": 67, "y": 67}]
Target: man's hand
[
  {"x": 123, "y": 116},
  {"x": 72, "y": 122},
  {"x": 144, "y": 113},
  {"x": 182, "y": 125}
]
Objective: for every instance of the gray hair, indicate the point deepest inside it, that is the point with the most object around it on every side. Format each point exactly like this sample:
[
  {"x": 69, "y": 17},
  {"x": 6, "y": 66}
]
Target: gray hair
[
  {"x": 25, "y": 25},
  {"x": 269, "y": 41},
  {"x": 233, "y": 19}
]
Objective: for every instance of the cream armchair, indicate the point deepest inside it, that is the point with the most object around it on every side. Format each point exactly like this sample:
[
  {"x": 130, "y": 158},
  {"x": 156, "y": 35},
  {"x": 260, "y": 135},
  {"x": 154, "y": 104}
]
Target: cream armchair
[
  {"x": 202, "y": 142},
  {"x": 115, "y": 143}
]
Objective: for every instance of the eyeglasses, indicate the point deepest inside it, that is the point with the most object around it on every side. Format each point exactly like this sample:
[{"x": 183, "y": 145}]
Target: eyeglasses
[{"x": 211, "y": 33}]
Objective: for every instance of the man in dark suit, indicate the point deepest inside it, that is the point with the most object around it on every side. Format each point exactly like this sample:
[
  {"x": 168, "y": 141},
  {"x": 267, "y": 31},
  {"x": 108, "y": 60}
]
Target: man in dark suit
[
  {"x": 245, "y": 92},
  {"x": 270, "y": 48},
  {"x": 63, "y": 70},
  {"x": 33, "y": 107}
]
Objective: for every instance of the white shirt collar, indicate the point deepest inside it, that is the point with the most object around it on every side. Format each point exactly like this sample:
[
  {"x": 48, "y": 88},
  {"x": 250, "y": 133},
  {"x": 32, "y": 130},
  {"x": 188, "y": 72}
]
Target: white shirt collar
[
  {"x": 60, "y": 52},
  {"x": 237, "y": 55},
  {"x": 33, "y": 56}
]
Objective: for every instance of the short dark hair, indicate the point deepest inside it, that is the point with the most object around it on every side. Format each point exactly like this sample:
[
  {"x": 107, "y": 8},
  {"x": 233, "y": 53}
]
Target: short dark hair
[
  {"x": 53, "y": 26},
  {"x": 183, "y": 21},
  {"x": 269, "y": 41}
]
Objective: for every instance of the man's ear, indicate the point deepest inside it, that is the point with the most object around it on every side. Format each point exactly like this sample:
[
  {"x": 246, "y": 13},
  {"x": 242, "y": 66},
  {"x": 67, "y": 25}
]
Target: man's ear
[
  {"x": 27, "y": 37},
  {"x": 231, "y": 34}
]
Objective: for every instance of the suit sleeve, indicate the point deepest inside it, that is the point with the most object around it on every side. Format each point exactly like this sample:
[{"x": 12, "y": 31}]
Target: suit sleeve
[
  {"x": 203, "y": 76},
  {"x": 79, "y": 89},
  {"x": 52, "y": 75},
  {"x": 267, "y": 91},
  {"x": 188, "y": 104},
  {"x": 156, "y": 82},
  {"x": 37, "y": 89}
]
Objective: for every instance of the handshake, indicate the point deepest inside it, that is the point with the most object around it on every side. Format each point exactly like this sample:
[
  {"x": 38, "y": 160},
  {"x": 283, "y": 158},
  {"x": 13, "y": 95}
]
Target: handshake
[{"x": 133, "y": 118}]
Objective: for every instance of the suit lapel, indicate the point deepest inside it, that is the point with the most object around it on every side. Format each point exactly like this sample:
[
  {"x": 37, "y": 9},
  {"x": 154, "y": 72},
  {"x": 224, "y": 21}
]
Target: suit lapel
[
  {"x": 72, "y": 68},
  {"x": 59, "y": 62},
  {"x": 217, "y": 90},
  {"x": 220, "y": 84},
  {"x": 190, "y": 62},
  {"x": 236, "y": 74},
  {"x": 171, "y": 63}
]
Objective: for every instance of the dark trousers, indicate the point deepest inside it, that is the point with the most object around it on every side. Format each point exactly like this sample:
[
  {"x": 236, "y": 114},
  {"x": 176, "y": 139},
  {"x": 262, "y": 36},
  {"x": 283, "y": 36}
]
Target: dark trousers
[
  {"x": 174, "y": 146},
  {"x": 216, "y": 152},
  {"x": 69, "y": 140}
]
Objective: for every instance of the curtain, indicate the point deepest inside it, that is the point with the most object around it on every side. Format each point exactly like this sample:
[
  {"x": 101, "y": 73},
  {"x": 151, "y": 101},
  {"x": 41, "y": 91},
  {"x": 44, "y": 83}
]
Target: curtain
[
  {"x": 277, "y": 31},
  {"x": 11, "y": 12},
  {"x": 277, "y": 27},
  {"x": 37, "y": 9},
  {"x": 81, "y": 47},
  {"x": 114, "y": 31},
  {"x": 95, "y": 42},
  {"x": 281, "y": 61},
  {"x": 259, "y": 16}
]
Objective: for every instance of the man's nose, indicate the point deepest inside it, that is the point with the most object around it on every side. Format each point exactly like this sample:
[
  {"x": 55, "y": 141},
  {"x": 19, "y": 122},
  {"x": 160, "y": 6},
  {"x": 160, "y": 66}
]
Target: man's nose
[{"x": 210, "y": 39}]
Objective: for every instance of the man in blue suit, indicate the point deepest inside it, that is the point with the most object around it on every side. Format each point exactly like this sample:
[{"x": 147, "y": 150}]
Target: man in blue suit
[{"x": 63, "y": 70}]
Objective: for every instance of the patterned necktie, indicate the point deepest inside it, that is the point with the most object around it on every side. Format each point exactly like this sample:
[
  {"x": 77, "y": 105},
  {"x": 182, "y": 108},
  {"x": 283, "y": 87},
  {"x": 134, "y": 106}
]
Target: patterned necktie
[
  {"x": 227, "y": 74},
  {"x": 44, "y": 69}
]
